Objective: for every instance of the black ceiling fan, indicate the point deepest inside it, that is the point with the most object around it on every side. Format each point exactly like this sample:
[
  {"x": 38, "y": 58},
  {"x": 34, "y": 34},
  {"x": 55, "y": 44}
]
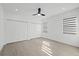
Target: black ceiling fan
[{"x": 39, "y": 12}]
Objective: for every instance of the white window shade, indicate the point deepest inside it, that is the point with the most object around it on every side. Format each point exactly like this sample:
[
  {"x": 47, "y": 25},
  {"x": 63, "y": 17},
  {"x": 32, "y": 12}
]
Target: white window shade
[{"x": 70, "y": 25}]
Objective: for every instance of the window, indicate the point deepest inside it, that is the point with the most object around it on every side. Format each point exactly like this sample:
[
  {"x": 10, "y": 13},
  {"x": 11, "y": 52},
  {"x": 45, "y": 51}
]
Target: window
[{"x": 70, "y": 25}]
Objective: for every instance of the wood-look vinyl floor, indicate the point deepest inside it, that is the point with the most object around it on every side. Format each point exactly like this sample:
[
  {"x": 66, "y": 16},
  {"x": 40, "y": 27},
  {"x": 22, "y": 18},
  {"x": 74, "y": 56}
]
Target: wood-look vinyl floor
[{"x": 39, "y": 47}]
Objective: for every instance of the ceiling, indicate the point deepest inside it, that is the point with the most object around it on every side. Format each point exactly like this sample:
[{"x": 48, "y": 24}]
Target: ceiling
[{"x": 24, "y": 11}]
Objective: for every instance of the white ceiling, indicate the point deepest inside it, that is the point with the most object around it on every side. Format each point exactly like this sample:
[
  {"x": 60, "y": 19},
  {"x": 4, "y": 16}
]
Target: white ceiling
[{"x": 24, "y": 11}]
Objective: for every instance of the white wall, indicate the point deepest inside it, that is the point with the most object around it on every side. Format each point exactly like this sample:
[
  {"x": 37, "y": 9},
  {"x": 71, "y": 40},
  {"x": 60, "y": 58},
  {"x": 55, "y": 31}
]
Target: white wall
[
  {"x": 55, "y": 28},
  {"x": 1, "y": 27}
]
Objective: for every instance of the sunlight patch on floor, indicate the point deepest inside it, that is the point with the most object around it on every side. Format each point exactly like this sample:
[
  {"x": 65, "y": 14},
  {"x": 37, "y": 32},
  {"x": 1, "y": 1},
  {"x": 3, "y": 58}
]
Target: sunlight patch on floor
[{"x": 45, "y": 48}]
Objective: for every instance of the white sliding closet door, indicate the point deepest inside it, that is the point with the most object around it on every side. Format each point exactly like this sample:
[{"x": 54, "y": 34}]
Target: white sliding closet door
[
  {"x": 34, "y": 30},
  {"x": 15, "y": 31}
]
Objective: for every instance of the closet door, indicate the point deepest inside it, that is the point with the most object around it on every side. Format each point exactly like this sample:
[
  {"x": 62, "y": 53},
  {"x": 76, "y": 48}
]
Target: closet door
[
  {"x": 15, "y": 31},
  {"x": 34, "y": 30}
]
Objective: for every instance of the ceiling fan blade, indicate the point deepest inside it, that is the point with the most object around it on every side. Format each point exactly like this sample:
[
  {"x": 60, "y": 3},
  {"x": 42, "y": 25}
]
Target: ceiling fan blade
[
  {"x": 34, "y": 14},
  {"x": 43, "y": 14}
]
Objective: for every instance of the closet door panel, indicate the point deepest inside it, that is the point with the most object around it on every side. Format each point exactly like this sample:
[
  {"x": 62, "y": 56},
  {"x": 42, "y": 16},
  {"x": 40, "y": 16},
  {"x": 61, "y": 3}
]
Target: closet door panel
[
  {"x": 15, "y": 31},
  {"x": 34, "y": 30}
]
